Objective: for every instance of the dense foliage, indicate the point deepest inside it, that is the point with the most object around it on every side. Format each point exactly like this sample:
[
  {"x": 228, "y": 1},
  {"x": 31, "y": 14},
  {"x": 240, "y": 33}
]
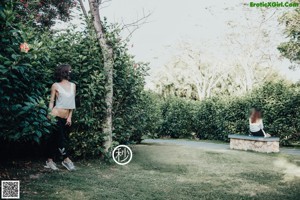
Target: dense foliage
[
  {"x": 214, "y": 119},
  {"x": 23, "y": 110},
  {"x": 27, "y": 76},
  {"x": 40, "y": 13},
  {"x": 291, "y": 49}
]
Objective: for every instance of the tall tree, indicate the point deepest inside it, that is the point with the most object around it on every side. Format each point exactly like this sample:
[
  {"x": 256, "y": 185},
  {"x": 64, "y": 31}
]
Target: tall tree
[
  {"x": 193, "y": 75},
  {"x": 108, "y": 59},
  {"x": 187, "y": 75},
  {"x": 107, "y": 52},
  {"x": 249, "y": 40},
  {"x": 291, "y": 48}
]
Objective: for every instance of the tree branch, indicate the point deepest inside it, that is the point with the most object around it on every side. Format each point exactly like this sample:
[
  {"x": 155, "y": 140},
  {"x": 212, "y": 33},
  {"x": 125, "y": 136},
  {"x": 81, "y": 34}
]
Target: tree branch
[
  {"x": 135, "y": 24},
  {"x": 83, "y": 9}
]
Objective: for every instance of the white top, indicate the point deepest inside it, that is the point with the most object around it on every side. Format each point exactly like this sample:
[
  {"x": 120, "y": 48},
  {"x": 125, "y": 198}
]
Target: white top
[
  {"x": 65, "y": 99},
  {"x": 257, "y": 126}
]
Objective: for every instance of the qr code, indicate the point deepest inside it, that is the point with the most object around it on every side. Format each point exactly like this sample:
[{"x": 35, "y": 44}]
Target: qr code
[{"x": 10, "y": 189}]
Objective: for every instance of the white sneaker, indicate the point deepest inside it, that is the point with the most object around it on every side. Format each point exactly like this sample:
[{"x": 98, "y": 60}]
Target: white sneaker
[
  {"x": 69, "y": 165},
  {"x": 51, "y": 165}
]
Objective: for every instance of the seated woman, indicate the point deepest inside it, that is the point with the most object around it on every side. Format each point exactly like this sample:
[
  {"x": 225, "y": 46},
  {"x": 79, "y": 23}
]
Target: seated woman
[{"x": 256, "y": 124}]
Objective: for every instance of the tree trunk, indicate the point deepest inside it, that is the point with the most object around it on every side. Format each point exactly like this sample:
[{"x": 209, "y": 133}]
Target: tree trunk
[
  {"x": 107, "y": 54},
  {"x": 197, "y": 84},
  {"x": 249, "y": 78}
]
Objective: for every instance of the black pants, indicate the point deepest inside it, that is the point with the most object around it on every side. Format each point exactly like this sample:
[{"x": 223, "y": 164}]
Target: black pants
[
  {"x": 258, "y": 133},
  {"x": 58, "y": 140}
]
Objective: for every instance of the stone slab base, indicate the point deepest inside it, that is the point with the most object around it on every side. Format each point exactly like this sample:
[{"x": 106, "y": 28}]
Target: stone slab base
[{"x": 253, "y": 145}]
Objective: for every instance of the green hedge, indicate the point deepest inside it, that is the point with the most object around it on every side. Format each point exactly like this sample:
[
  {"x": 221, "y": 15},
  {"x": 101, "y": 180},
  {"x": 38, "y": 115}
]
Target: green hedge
[
  {"x": 26, "y": 79},
  {"x": 23, "y": 108},
  {"x": 176, "y": 115},
  {"x": 215, "y": 118}
]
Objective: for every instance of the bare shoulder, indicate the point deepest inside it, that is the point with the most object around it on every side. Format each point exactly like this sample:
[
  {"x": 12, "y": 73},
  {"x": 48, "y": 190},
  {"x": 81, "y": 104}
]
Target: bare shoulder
[
  {"x": 73, "y": 84},
  {"x": 53, "y": 86}
]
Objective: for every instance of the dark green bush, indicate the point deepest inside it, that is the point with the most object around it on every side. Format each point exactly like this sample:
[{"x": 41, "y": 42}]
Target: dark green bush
[
  {"x": 205, "y": 117},
  {"x": 281, "y": 108},
  {"x": 148, "y": 116},
  {"x": 26, "y": 79},
  {"x": 176, "y": 115},
  {"x": 233, "y": 117},
  {"x": 23, "y": 108},
  {"x": 215, "y": 118},
  {"x": 81, "y": 51}
]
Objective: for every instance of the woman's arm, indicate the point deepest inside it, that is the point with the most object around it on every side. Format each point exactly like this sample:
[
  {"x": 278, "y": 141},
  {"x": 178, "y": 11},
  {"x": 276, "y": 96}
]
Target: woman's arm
[
  {"x": 52, "y": 97},
  {"x": 70, "y": 113},
  {"x": 262, "y": 128},
  {"x": 69, "y": 119},
  {"x": 261, "y": 125}
]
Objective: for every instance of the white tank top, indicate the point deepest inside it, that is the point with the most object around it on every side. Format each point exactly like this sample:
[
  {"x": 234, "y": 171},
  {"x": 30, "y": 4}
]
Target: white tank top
[
  {"x": 65, "y": 99},
  {"x": 255, "y": 127}
]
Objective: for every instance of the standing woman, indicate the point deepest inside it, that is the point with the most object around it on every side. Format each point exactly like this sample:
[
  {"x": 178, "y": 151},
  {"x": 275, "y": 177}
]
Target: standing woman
[
  {"x": 256, "y": 124},
  {"x": 63, "y": 92}
]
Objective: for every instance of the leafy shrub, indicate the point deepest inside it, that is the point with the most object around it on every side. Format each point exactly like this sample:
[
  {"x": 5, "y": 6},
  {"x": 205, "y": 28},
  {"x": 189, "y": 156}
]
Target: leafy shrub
[
  {"x": 148, "y": 116},
  {"x": 280, "y": 104},
  {"x": 23, "y": 110},
  {"x": 204, "y": 119},
  {"x": 215, "y": 118},
  {"x": 176, "y": 115},
  {"x": 26, "y": 79}
]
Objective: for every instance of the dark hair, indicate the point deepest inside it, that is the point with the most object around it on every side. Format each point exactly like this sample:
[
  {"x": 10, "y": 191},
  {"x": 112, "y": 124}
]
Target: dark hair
[
  {"x": 62, "y": 71},
  {"x": 255, "y": 114}
]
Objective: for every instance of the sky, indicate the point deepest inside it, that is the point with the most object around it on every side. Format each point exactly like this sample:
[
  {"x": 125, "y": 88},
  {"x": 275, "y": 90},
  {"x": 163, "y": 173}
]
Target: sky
[{"x": 202, "y": 23}]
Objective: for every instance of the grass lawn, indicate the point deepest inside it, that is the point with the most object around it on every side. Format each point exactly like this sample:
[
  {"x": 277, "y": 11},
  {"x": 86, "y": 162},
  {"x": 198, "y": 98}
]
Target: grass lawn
[{"x": 168, "y": 172}]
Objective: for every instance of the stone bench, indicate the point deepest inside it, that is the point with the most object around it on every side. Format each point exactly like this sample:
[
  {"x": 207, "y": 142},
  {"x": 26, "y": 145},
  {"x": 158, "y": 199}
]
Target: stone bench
[{"x": 254, "y": 143}]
